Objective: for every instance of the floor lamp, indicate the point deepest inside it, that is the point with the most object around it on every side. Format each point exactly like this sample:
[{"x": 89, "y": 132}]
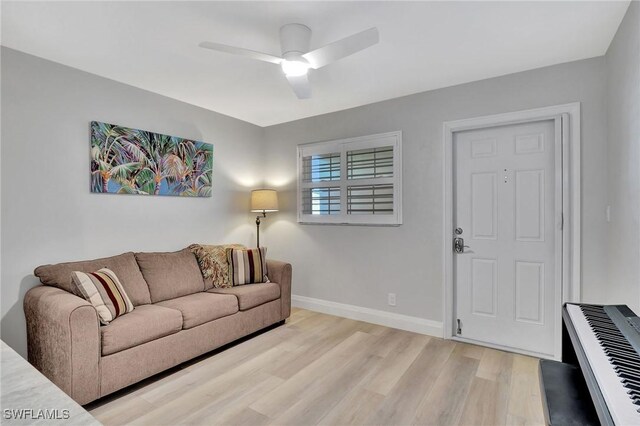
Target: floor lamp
[{"x": 263, "y": 201}]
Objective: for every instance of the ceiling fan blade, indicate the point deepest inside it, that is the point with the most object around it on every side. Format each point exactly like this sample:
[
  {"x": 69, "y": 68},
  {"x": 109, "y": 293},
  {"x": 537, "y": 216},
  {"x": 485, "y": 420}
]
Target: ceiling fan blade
[
  {"x": 342, "y": 48},
  {"x": 300, "y": 85},
  {"x": 240, "y": 51}
]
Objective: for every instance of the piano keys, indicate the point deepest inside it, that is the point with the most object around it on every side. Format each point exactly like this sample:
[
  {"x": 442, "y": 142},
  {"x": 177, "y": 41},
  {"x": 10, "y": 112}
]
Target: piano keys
[{"x": 601, "y": 359}]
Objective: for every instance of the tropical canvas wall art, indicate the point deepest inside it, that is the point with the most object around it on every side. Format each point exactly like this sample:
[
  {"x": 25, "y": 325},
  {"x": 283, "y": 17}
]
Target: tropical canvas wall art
[{"x": 132, "y": 161}]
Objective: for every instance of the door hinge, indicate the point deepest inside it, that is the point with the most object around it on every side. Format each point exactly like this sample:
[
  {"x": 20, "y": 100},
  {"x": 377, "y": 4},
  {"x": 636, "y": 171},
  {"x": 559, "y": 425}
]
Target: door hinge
[{"x": 459, "y": 329}]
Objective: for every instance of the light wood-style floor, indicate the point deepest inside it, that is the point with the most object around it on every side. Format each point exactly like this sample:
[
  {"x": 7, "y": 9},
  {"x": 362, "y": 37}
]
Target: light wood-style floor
[{"x": 326, "y": 370}]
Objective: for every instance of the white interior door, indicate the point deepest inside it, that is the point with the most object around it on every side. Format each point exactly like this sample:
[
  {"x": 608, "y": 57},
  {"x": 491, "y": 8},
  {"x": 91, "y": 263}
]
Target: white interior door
[{"x": 508, "y": 207}]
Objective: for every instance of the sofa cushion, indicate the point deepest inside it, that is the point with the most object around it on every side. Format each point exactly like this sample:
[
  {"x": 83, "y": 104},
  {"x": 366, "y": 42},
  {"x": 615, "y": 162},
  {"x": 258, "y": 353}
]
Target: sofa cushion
[
  {"x": 202, "y": 307},
  {"x": 123, "y": 265},
  {"x": 144, "y": 324},
  {"x": 251, "y": 295},
  {"x": 214, "y": 264},
  {"x": 170, "y": 275}
]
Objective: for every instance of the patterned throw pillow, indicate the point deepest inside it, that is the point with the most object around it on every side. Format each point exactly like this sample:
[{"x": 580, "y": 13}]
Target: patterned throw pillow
[
  {"x": 104, "y": 291},
  {"x": 213, "y": 262},
  {"x": 247, "y": 266}
]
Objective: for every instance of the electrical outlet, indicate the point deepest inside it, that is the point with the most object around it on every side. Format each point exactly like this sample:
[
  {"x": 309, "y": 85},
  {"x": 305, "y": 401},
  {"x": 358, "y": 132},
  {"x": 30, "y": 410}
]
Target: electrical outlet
[
  {"x": 607, "y": 213},
  {"x": 391, "y": 299}
]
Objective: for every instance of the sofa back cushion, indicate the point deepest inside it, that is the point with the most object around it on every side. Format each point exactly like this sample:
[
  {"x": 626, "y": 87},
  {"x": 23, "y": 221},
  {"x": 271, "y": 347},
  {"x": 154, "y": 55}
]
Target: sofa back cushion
[
  {"x": 123, "y": 265},
  {"x": 170, "y": 275}
]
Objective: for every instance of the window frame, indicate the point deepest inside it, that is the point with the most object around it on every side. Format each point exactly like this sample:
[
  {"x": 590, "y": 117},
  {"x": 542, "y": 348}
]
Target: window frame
[{"x": 393, "y": 139}]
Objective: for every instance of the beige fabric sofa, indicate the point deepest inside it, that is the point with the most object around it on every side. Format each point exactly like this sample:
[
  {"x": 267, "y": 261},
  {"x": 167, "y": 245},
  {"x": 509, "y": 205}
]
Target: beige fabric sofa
[{"x": 178, "y": 315}]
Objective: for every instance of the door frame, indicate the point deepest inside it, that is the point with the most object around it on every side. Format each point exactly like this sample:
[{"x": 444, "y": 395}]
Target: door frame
[{"x": 569, "y": 131}]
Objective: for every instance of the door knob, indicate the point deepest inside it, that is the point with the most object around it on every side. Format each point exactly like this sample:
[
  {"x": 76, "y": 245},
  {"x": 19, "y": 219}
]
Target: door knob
[{"x": 458, "y": 245}]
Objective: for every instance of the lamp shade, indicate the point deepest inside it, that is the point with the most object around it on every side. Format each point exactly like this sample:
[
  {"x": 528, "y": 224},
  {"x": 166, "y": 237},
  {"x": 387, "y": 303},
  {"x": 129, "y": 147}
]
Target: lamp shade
[{"x": 264, "y": 200}]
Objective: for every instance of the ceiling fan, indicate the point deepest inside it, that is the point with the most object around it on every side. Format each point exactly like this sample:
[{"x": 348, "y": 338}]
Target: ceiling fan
[{"x": 296, "y": 58}]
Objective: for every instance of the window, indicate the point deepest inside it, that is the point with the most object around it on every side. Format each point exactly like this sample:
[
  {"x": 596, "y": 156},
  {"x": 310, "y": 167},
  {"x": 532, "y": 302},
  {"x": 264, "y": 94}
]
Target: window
[{"x": 351, "y": 181}]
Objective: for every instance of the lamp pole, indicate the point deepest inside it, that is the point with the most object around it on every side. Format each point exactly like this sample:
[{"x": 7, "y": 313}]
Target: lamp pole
[{"x": 264, "y": 214}]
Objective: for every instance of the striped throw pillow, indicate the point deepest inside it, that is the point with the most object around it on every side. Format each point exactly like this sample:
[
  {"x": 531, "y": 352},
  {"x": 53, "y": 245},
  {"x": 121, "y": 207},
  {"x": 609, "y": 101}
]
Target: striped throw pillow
[
  {"x": 104, "y": 291},
  {"x": 247, "y": 266}
]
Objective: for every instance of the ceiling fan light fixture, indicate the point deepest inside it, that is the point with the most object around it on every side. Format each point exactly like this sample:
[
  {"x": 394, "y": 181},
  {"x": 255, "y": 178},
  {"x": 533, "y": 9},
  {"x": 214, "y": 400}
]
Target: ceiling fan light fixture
[
  {"x": 295, "y": 68},
  {"x": 296, "y": 57}
]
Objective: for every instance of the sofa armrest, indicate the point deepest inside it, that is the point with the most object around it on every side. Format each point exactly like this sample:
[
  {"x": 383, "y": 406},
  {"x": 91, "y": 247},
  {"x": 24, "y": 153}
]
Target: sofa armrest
[
  {"x": 63, "y": 338},
  {"x": 280, "y": 273}
]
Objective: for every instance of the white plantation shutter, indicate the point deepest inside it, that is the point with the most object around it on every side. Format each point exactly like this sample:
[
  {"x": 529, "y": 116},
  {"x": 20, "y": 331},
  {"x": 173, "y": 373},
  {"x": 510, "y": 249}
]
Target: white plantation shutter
[
  {"x": 370, "y": 163},
  {"x": 370, "y": 199},
  {"x": 321, "y": 168},
  {"x": 351, "y": 181},
  {"x": 321, "y": 201}
]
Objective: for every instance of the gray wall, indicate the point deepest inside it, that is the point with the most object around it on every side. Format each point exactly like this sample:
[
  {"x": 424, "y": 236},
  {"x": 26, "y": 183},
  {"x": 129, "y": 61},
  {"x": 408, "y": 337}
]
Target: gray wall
[
  {"x": 623, "y": 107},
  {"x": 48, "y": 213},
  {"x": 360, "y": 265}
]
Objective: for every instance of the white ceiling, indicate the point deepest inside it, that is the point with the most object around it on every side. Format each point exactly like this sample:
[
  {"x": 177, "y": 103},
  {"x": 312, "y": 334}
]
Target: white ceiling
[{"x": 424, "y": 45}]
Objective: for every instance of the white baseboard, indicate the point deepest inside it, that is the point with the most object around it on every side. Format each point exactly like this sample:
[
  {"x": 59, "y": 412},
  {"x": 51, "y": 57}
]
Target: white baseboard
[{"x": 374, "y": 316}]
